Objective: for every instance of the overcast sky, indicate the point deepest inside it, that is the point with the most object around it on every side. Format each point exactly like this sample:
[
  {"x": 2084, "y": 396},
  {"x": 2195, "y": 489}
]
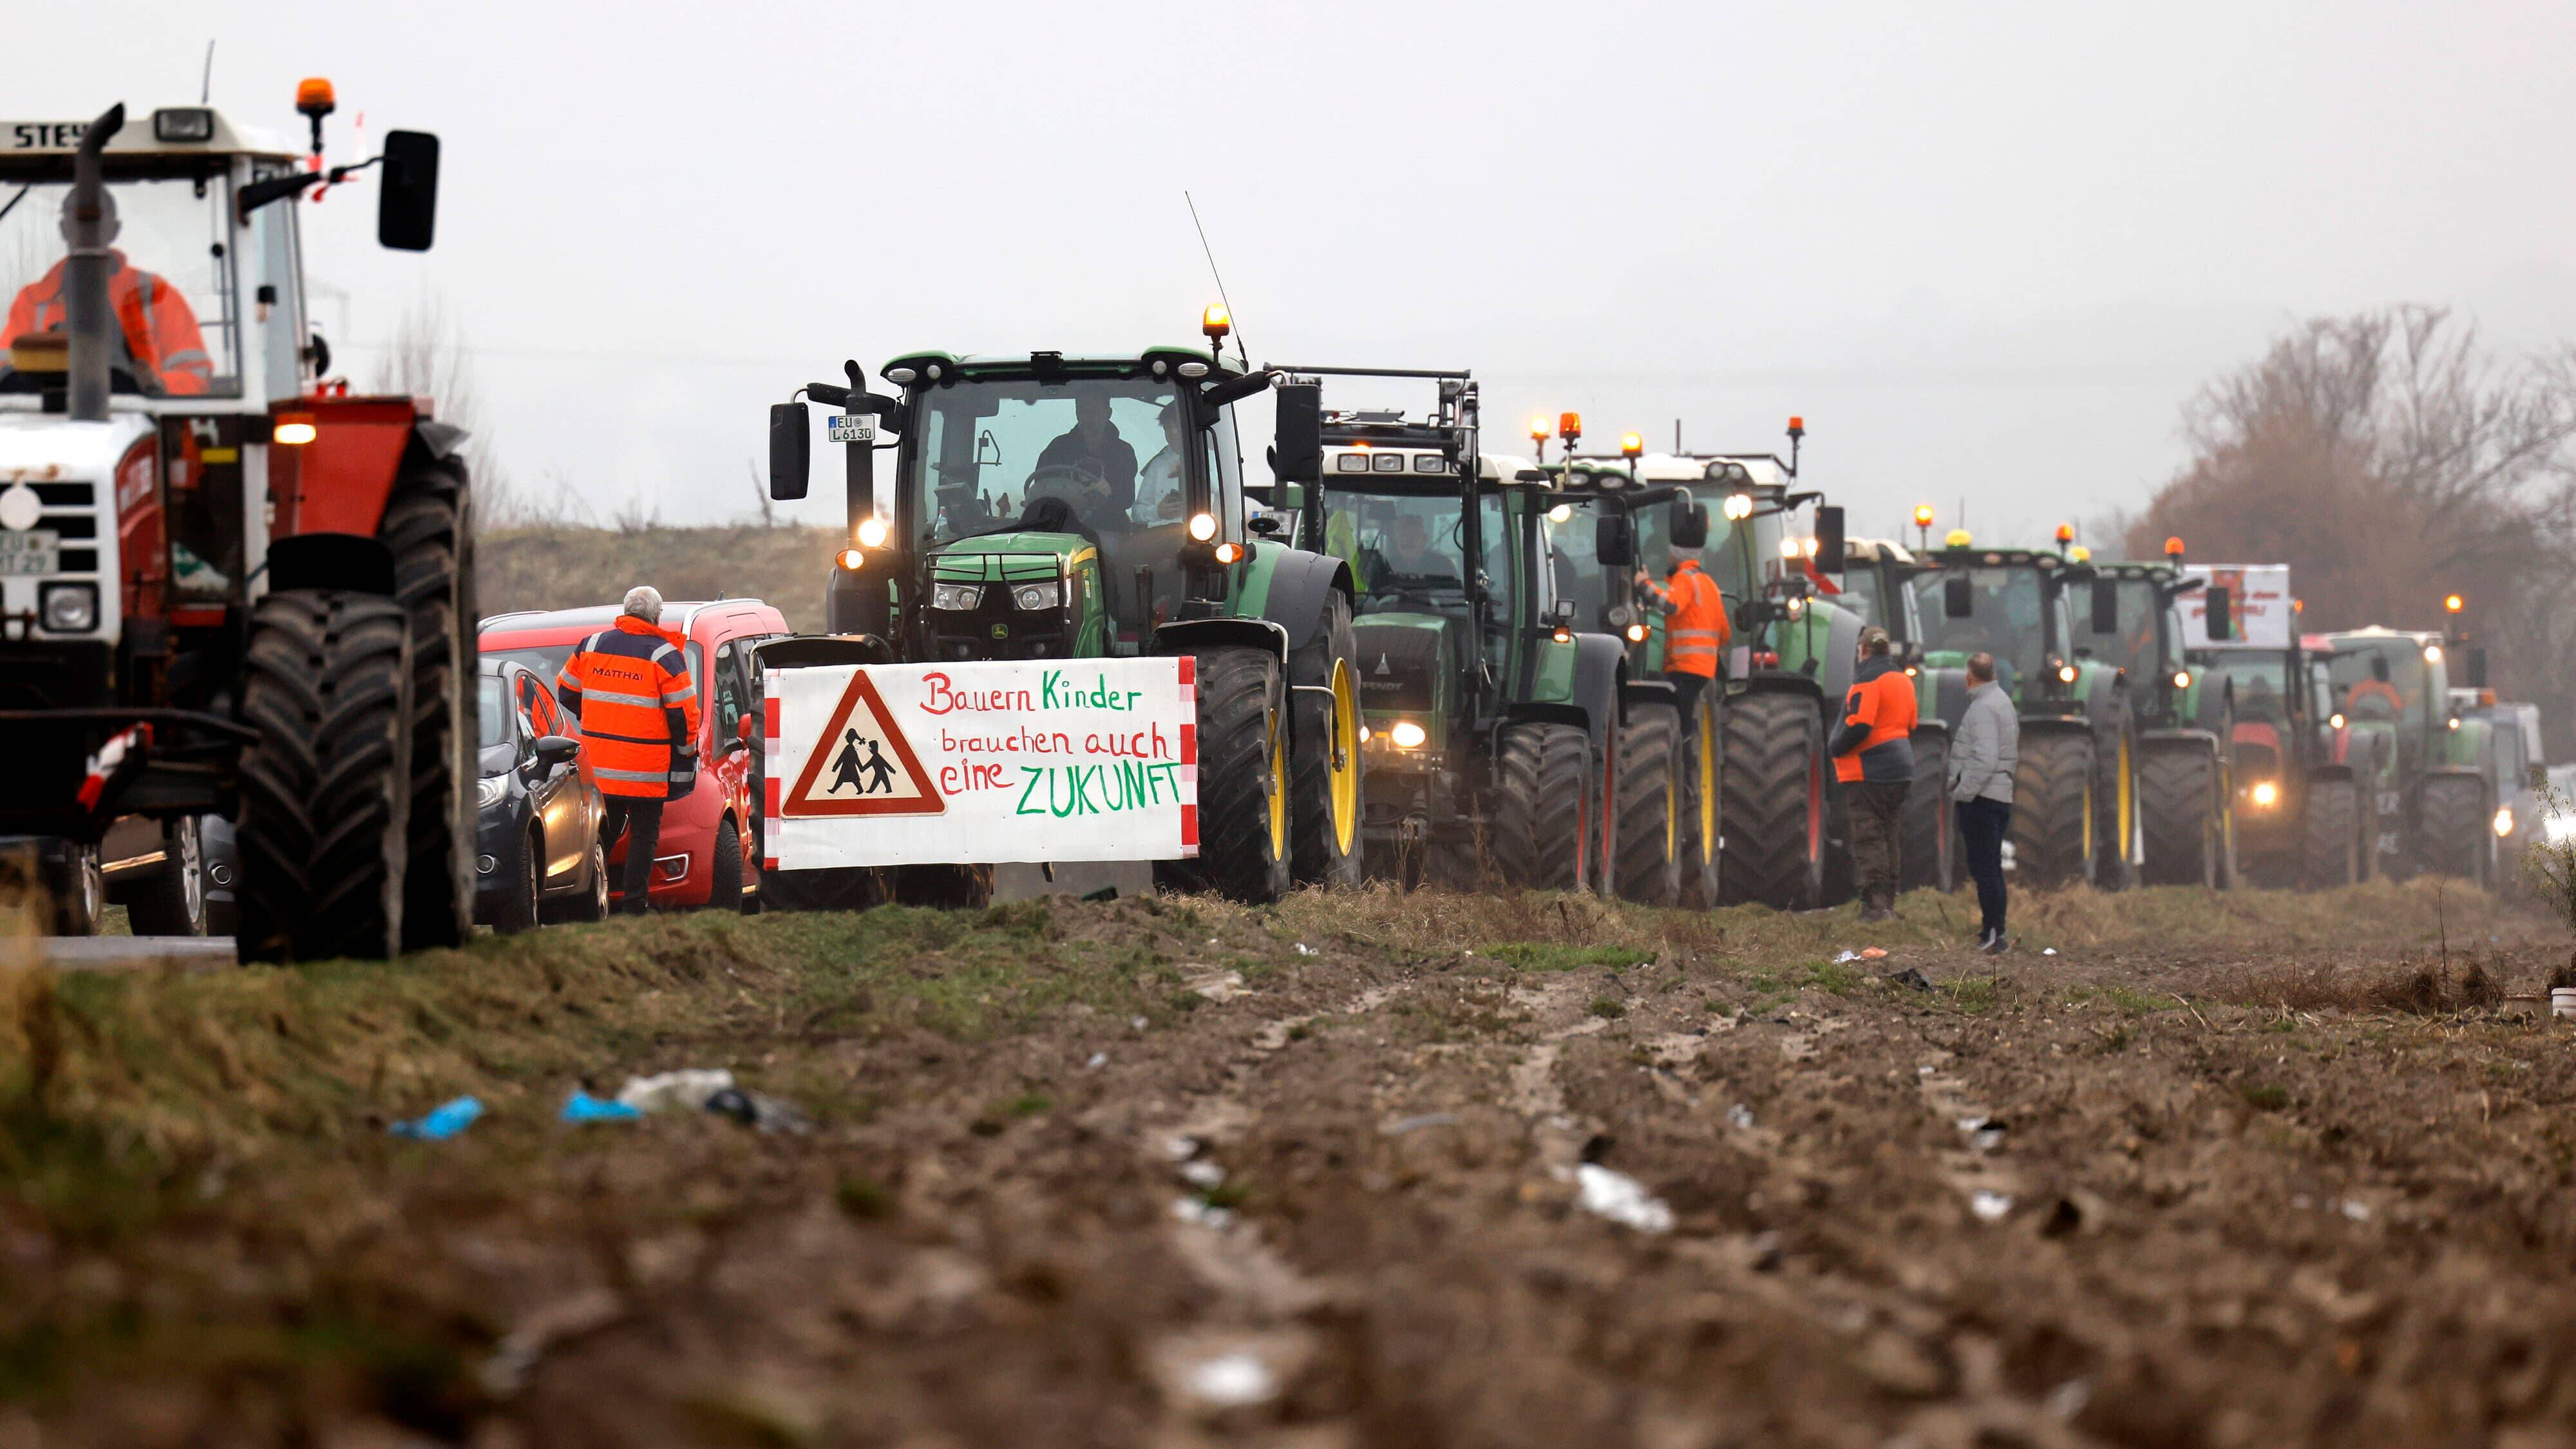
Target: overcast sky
[{"x": 1987, "y": 250}]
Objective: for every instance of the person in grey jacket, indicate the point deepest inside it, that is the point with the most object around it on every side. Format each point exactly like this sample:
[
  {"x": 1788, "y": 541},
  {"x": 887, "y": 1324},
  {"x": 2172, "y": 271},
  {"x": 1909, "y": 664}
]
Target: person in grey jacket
[{"x": 1983, "y": 751}]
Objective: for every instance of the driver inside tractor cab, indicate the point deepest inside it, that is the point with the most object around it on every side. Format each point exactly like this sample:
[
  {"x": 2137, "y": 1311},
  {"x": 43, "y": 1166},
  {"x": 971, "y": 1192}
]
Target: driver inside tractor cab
[
  {"x": 1406, "y": 554},
  {"x": 1098, "y": 464},
  {"x": 160, "y": 346},
  {"x": 2375, "y": 695},
  {"x": 1158, "y": 490}
]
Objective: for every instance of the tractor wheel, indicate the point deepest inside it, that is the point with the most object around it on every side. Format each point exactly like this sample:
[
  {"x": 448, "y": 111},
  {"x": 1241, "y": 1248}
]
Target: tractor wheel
[
  {"x": 2052, "y": 817},
  {"x": 1931, "y": 857},
  {"x": 1541, "y": 824},
  {"x": 323, "y": 834},
  {"x": 2330, "y": 852},
  {"x": 1774, "y": 800},
  {"x": 844, "y": 888},
  {"x": 1842, "y": 867},
  {"x": 428, "y": 524},
  {"x": 1649, "y": 819},
  {"x": 2183, "y": 815},
  {"x": 1325, "y": 763},
  {"x": 173, "y": 901},
  {"x": 2453, "y": 833},
  {"x": 1243, "y": 781},
  {"x": 1696, "y": 803},
  {"x": 945, "y": 887},
  {"x": 2116, "y": 772}
]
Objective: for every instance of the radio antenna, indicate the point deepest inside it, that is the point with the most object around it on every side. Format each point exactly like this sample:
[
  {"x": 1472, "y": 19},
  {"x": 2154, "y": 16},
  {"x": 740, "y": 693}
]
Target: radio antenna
[
  {"x": 206, "y": 89},
  {"x": 1241, "y": 355}
]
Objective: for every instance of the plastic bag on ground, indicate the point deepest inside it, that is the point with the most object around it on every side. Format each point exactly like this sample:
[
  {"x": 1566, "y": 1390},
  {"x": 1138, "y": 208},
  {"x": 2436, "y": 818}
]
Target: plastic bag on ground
[
  {"x": 442, "y": 1123},
  {"x": 686, "y": 1090},
  {"x": 583, "y": 1107},
  {"x": 753, "y": 1109}
]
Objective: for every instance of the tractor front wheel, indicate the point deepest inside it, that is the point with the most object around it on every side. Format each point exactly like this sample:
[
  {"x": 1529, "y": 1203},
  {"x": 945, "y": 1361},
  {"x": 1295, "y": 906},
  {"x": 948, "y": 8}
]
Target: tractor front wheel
[
  {"x": 1930, "y": 858},
  {"x": 428, "y": 525},
  {"x": 1542, "y": 818},
  {"x": 1774, "y": 799},
  {"x": 1243, "y": 809},
  {"x": 2184, "y": 814},
  {"x": 1325, "y": 763},
  {"x": 2454, "y": 836},
  {"x": 2330, "y": 837},
  {"x": 1697, "y": 804},
  {"x": 1649, "y": 861},
  {"x": 324, "y": 830},
  {"x": 2052, "y": 818}
]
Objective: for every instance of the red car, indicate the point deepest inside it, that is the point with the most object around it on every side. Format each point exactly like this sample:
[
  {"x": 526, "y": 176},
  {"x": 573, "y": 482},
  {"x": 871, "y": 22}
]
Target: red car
[{"x": 706, "y": 855}]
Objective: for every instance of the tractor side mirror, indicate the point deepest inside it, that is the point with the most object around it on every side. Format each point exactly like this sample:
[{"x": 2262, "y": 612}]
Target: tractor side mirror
[
  {"x": 2106, "y": 607},
  {"x": 2477, "y": 666},
  {"x": 1613, "y": 541},
  {"x": 1268, "y": 525},
  {"x": 1299, "y": 442},
  {"x": 1959, "y": 597},
  {"x": 1829, "y": 538},
  {"x": 1690, "y": 525},
  {"x": 554, "y": 750},
  {"x": 791, "y": 451},
  {"x": 407, "y": 193},
  {"x": 2220, "y": 603}
]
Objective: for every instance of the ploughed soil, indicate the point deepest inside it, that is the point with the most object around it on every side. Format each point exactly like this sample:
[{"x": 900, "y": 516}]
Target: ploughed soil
[{"x": 2251, "y": 1169}]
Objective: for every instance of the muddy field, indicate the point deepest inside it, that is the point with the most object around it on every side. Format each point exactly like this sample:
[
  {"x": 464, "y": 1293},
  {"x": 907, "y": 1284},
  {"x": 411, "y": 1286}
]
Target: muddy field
[{"x": 1441, "y": 1171}]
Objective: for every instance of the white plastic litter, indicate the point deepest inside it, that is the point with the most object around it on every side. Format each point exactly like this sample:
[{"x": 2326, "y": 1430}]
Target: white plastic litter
[
  {"x": 1739, "y": 1116},
  {"x": 2048, "y": 950},
  {"x": 1305, "y": 950},
  {"x": 1621, "y": 1199},
  {"x": 686, "y": 1090},
  {"x": 1096, "y": 1062},
  {"x": 1989, "y": 1206},
  {"x": 1232, "y": 1380},
  {"x": 1202, "y": 1174},
  {"x": 2356, "y": 1210},
  {"x": 1191, "y": 1210},
  {"x": 1847, "y": 956}
]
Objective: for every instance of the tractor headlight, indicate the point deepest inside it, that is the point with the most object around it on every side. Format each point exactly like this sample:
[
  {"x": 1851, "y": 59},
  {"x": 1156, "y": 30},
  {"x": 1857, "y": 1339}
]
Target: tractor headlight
[
  {"x": 1738, "y": 505},
  {"x": 872, "y": 532},
  {"x": 1203, "y": 526},
  {"x": 2265, "y": 794},
  {"x": 1407, "y": 735},
  {"x": 1045, "y": 595},
  {"x": 2559, "y": 829},
  {"x": 71, "y": 608},
  {"x": 2066, "y": 674},
  {"x": 2504, "y": 820},
  {"x": 1636, "y": 633},
  {"x": 489, "y": 790},
  {"x": 2182, "y": 679},
  {"x": 2335, "y": 719},
  {"x": 956, "y": 596}
]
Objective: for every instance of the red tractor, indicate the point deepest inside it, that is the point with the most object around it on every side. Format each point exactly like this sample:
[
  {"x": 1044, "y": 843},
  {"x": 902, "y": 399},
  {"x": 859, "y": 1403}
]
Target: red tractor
[{"x": 228, "y": 590}]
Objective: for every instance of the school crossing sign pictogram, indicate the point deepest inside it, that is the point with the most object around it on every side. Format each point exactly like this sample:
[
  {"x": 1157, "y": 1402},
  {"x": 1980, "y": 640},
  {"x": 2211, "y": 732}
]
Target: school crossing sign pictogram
[{"x": 861, "y": 764}]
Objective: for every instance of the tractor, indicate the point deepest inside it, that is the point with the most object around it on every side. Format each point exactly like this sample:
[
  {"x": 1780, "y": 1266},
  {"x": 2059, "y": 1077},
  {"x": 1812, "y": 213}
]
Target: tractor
[
  {"x": 1049, "y": 506},
  {"x": 2181, "y": 719},
  {"x": 2430, "y": 787},
  {"x": 1502, "y": 742},
  {"x": 231, "y": 590}
]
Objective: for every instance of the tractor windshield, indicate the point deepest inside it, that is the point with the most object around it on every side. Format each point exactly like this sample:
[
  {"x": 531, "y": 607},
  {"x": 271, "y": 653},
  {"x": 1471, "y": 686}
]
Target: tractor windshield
[
  {"x": 2133, "y": 643},
  {"x": 1407, "y": 549},
  {"x": 2005, "y": 617},
  {"x": 177, "y": 318},
  {"x": 2260, "y": 682},
  {"x": 1576, "y": 562},
  {"x": 1103, "y": 457},
  {"x": 2379, "y": 679}
]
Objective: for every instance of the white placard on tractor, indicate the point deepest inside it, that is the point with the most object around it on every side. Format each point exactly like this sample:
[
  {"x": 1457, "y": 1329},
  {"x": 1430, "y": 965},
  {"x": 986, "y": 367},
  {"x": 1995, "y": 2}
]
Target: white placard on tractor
[
  {"x": 2259, "y": 603},
  {"x": 1021, "y": 760}
]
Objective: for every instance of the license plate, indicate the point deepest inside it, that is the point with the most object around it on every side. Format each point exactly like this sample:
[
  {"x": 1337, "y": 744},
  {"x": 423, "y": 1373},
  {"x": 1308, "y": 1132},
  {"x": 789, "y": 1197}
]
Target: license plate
[
  {"x": 30, "y": 551},
  {"x": 850, "y": 428}
]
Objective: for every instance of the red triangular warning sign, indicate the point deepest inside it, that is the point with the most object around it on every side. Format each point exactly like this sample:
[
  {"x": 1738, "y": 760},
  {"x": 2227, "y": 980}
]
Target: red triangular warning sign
[{"x": 861, "y": 764}]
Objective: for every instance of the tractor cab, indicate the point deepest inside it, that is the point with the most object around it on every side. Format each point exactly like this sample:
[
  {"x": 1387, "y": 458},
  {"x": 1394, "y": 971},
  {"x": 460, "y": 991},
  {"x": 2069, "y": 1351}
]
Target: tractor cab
[
  {"x": 1611, "y": 524},
  {"x": 2011, "y": 603},
  {"x": 2131, "y": 619}
]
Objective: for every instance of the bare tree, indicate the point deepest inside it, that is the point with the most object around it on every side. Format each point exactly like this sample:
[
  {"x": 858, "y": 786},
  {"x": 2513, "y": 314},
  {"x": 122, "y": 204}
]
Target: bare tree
[
  {"x": 2391, "y": 459},
  {"x": 760, "y": 495}
]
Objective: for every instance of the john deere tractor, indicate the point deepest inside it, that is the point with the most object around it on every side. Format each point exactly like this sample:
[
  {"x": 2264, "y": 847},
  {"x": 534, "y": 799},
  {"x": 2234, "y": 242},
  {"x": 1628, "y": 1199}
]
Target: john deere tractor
[
  {"x": 1501, "y": 742},
  {"x": 2431, "y": 789},
  {"x": 1052, "y": 506},
  {"x": 2075, "y": 789},
  {"x": 1612, "y": 522}
]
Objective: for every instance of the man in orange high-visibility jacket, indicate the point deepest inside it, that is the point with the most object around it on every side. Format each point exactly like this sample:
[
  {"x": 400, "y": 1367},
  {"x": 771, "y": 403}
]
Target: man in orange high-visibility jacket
[
  {"x": 1873, "y": 752},
  {"x": 159, "y": 328},
  {"x": 629, "y": 686},
  {"x": 1695, "y": 627}
]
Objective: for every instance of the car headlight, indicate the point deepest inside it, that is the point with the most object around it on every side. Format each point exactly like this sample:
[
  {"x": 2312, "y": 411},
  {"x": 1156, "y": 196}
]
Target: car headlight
[
  {"x": 71, "y": 608},
  {"x": 488, "y": 791},
  {"x": 1047, "y": 595},
  {"x": 2504, "y": 820},
  {"x": 956, "y": 596}
]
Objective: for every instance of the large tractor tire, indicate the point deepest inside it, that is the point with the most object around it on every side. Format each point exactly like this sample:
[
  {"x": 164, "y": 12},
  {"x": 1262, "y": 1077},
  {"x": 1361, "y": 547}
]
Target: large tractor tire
[
  {"x": 2053, "y": 833},
  {"x": 1700, "y": 766},
  {"x": 1325, "y": 764},
  {"x": 1649, "y": 861},
  {"x": 2453, "y": 832},
  {"x": 946, "y": 887},
  {"x": 1774, "y": 800},
  {"x": 1929, "y": 843},
  {"x": 1540, "y": 829},
  {"x": 2332, "y": 849},
  {"x": 324, "y": 830},
  {"x": 2116, "y": 782},
  {"x": 2183, "y": 809},
  {"x": 1243, "y": 805},
  {"x": 173, "y": 901},
  {"x": 428, "y": 524}
]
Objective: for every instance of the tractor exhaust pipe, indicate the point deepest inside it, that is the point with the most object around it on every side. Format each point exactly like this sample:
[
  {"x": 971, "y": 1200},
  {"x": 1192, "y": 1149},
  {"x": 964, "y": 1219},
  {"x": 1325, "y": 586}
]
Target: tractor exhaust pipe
[{"x": 85, "y": 273}]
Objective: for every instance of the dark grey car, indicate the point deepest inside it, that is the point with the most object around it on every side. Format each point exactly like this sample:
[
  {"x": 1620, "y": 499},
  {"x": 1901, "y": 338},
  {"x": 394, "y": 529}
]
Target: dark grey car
[{"x": 538, "y": 855}]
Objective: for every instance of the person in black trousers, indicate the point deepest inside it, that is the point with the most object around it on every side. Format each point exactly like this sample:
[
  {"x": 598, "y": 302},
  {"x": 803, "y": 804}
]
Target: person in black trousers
[{"x": 1983, "y": 752}]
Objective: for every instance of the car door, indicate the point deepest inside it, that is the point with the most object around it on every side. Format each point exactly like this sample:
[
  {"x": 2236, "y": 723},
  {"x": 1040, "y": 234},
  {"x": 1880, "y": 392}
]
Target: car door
[
  {"x": 729, "y": 679},
  {"x": 557, "y": 788}
]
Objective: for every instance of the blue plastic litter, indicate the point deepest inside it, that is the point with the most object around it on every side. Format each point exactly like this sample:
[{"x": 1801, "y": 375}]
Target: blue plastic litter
[
  {"x": 583, "y": 1107},
  {"x": 441, "y": 1124}
]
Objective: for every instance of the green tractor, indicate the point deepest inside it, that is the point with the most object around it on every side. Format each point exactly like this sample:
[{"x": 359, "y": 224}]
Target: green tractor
[
  {"x": 2430, "y": 787},
  {"x": 1610, "y": 523},
  {"x": 2181, "y": 719},
  {"x": 2075, "y": 789},
  {"x": 1050, "y": 506},
  {"x": 2299, "y": 810},
  {"x": 1501, "y": 742}
]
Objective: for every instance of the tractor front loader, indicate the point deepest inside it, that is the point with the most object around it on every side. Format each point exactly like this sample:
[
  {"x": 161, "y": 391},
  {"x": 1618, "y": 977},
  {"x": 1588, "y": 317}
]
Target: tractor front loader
[
  {"x": 230, "y": 588},
  {"x": 991, "y": 544}
]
